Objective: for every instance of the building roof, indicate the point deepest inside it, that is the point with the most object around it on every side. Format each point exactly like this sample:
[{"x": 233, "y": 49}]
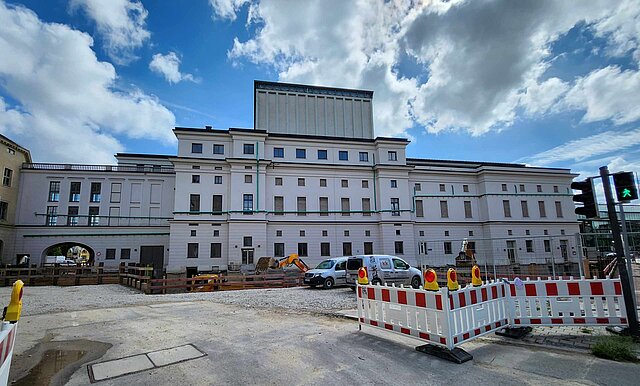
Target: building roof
[
  {"x": 307, "y": 89},
  {"x": 17, "y": 146},
  {"x": 139, "y": 155},
  {"x": 472, "y": 164}
]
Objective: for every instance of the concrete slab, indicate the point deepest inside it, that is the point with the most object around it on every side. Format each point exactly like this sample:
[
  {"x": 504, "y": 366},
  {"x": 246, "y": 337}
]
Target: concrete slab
[
  {"x": 349, "y": 314},
  {"x": 174, "y": 355},
  {"x": 118, "y": 367}
]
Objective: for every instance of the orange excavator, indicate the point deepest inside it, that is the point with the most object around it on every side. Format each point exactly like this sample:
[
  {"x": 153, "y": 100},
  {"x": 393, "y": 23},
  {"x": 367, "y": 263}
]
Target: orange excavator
[{"x": 264, "y": 263}]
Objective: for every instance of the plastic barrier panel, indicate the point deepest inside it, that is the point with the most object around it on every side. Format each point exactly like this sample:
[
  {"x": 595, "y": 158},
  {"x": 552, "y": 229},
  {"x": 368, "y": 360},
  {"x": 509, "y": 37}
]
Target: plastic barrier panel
[
  {"x": 574, "y": 302},
  {"x": 7, "y": 340}
]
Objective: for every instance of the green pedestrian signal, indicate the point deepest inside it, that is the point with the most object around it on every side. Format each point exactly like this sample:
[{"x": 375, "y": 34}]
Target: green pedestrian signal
[{"x": 626, "y": 187}]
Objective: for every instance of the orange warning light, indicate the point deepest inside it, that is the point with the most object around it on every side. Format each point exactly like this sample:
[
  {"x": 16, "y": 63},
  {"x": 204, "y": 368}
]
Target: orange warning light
[
  {"x": 476, "y": 281},
  {"x": 363, "y": 278},
  {"x": 431, "y": 280},
  {"x": 452, "y": 280}
]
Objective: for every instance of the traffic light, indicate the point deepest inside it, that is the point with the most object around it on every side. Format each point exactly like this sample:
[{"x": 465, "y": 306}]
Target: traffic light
[
  {"x": 587, "y": 198},
  {"x": 626, "y": 188}
]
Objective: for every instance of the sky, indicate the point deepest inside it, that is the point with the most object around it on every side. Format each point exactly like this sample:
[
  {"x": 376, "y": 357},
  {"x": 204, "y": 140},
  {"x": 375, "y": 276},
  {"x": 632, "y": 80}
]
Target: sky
[{"x": 544, "y": 83}]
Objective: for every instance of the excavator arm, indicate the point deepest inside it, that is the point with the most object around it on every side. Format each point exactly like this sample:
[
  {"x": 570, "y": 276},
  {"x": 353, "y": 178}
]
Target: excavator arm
[{"x": 295, "y": 260}]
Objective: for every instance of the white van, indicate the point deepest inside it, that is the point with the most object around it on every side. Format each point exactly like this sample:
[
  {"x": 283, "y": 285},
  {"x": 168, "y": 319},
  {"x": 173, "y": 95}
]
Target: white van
[
  {"x": 383, "y": 269},
  {"x": 329, "y": 273}
]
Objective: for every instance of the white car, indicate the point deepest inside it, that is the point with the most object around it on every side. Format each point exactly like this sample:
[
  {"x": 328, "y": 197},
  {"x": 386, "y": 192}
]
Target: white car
[
  {"x": 383, "y": 269},
  {"x": 328, "y": 274}
]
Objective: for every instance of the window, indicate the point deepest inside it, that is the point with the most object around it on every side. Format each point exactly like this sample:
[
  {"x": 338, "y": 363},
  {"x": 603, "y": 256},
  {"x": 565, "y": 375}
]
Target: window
[
  {"x": 110, "y": 254},
  {"x": 54, "y": 191},
  {"x": 366, "y": 206},
  {"x": 325, "y": 249},
  {"x": 539, "y": 188},
  {"x": 248, "y": 178},
  {"x": 325, "y": 233},
  {"x": 394, "y": 183},
  {"x": 324, "y": 206},
  {"x": 395, "y": 207},
  {"x": 216, "y": 206},
  {"x": 322, "y": 154},
  {"x": 116, "y": 189},
  {"x": 397, "y": 232},
  {"x": 525, "y": 208},
  {"x": 504, "y": 187},
  {"x": 446, "y": 233},
  {"x": 302, "y": 206},
  {"x": 216, "y": 250},
  {"x": 509, "y": 232},
  {"x": 465, "y": 188},
  {"x": 558, "y": 209},
  {"x": 367, "y": 233},
  {"x": 547, "y": 245},
  {"x": 301, "y": 153},
  {"x": 365, "y": 184},
  {"x": 94, "y": 219},
  {"x": 442, "y": 188},
  {"x": 125, "y": 253},
  {"x": 302, "y": 233},
  {"x": 195, "y": 178},
  {"x": 278, "y": 181},
  {"x": 323, "y": 182},
  {"x": 96, "y": 190},
  {"x": 393, "y": 155},
  {"x": 194, "y": 233},
  {"x": 346, "y": 233},
  {"x": 506, "y": 207},
  {"x": 194, "y": 203},
  {"x": 470, "y": 233},
  {"x": 399, "y": 247},
  {"x": 74, "y": 192},
  {"x": 364, "y": 156},
  {"x": 562, "y": 232},
  {"x": 522, "y": 188},
  {"x": 301, "y": 182},
  {"x": 421, "y": 233},
  {"x": 346, "y": 249},
  {"x": 52, "y": 215},
  {"x": 368, "y": 248},
  {"x": 447, "y": 247},
  {"x": 343, "y": 155},
  {"x": 278, "y": 152},
  {"x": 529, "y": 245},
  {"x": 555, "y": 189},
  {"x": 72, "y": 216},
  {"x": 302, "y": 249},
  {"x": 247, "y": 241},
  {"x": 247, "y": 203},
  {"x": 4, "y": 207},
  {"x": 278, "y": 205},
  {"x": 345, "y": 206},
  {"x": 467, "y": 210},
  {"x": 196, "y": 148},
  {"x": 278, "y": 233},
  {"x": 192, "y": 250},
  {"x": 278, "y": 249},
  {"x": 546, "y": 232},
  {"x": 419, "y": 209},
  {"x": 542, "y": 209},
  {"x": 218, "y": 149},
  {"x": 217, "y": 168},
  {"x": 444, "y": 209},
  {"x": 527, "y": 232},
  {"x": 216, "y": 233},
  {"x": 217, "y": 180},
  {"x": 11, "y": 151},
  {"x": 344, "y": 183},
  {"x": 248, "y": 148}
]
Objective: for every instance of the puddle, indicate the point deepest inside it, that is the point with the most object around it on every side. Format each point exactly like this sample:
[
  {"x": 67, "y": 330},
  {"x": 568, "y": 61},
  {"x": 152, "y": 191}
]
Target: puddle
[
  {"x": 51, "y": 363},
  {"x": 54, "y": 362}
]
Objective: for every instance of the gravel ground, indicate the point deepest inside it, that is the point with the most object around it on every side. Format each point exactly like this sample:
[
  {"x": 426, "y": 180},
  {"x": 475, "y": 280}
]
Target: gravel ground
[{"x": 50, "y": 299}]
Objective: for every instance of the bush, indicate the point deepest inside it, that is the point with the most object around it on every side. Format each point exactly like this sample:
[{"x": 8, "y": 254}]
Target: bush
[{"x": 617, "y": 348}]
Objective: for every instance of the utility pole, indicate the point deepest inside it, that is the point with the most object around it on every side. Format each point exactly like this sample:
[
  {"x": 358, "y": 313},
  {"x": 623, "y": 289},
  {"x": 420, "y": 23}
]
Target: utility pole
[{"x": 632, "y": 313}]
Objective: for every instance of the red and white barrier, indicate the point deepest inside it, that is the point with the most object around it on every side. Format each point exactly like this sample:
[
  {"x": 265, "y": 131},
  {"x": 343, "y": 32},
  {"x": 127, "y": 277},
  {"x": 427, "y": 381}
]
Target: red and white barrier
[
  {"x": 449, "y": 318},
  {"x": 567, "y": 302},
  {"x": 7, "y": 340}
]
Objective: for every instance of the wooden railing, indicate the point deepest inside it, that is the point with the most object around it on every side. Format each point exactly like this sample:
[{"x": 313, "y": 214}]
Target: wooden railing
[
  {"x": 63, "y": 276},
  {"x": 222, "y": 282}
]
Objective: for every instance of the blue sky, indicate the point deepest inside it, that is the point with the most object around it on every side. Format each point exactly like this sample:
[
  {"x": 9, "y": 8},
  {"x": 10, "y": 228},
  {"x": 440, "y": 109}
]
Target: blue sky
[{"x": 545, "y": 83}]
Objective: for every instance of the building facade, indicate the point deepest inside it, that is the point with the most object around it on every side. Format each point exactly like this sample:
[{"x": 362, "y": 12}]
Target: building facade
[{"x": 311, "y": 179}]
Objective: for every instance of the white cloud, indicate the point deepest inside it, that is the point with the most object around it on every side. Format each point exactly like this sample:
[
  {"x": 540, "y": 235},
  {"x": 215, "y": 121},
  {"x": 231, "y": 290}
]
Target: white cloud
[
  {"x": 67, "y": 107},
  {"x": 169, "y": 66},
  {"x": 587, "y": 147},
  {"x": 121, "y": 23},
  {"x": 483, "y": 61}
]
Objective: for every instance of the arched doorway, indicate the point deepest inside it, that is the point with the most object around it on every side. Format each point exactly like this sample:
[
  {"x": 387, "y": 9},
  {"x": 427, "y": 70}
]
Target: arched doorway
[{"x": 78, "y": 252}]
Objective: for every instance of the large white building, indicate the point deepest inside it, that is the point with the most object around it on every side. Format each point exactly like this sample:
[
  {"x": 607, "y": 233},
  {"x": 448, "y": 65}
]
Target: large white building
[{"x": 310, "y": 178}]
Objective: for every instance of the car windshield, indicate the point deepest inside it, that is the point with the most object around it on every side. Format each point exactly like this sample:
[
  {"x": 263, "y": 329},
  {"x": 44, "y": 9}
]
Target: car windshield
[{"x": 325, "y": 264}]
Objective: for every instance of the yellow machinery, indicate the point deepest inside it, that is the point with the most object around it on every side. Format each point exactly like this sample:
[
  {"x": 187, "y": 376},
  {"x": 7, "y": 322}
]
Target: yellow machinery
[
  {"x": 264, "y": 263},
  {"x": 209, "y": 283}
]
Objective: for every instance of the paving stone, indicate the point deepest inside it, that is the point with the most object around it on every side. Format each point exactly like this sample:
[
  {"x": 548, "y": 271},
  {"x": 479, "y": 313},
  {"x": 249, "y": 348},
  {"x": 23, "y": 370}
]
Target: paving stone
[
  {"x": 118, "y": 367},
  {"x": 174, "y": 355}
]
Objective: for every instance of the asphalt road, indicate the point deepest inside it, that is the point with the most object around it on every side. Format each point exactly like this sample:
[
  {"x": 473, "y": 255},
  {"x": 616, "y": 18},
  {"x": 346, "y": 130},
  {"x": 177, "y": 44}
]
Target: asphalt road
[{"x": 258, "y": 346}]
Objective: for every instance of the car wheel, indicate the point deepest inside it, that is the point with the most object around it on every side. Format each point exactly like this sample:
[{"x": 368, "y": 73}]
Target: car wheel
[
  {"x": 376, "y": 281},
  {"x": 416, "y": 282},
  {"x": 328, "y": 284}
]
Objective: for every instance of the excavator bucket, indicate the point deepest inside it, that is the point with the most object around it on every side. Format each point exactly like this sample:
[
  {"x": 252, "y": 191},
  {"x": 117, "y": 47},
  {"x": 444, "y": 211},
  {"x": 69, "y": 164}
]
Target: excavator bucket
[{"x": 264, "y": 263}]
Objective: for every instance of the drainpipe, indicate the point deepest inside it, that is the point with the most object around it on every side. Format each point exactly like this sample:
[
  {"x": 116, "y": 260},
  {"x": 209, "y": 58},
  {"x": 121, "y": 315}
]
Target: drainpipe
[
  {"x": 375, "y": 200},
  {"x": 257, "y": 177}
]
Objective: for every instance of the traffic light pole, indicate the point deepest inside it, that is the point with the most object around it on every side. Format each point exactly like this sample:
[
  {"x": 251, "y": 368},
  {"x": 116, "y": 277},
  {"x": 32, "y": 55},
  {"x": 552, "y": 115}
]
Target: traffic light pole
[{"x": 632, "y": 313}]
